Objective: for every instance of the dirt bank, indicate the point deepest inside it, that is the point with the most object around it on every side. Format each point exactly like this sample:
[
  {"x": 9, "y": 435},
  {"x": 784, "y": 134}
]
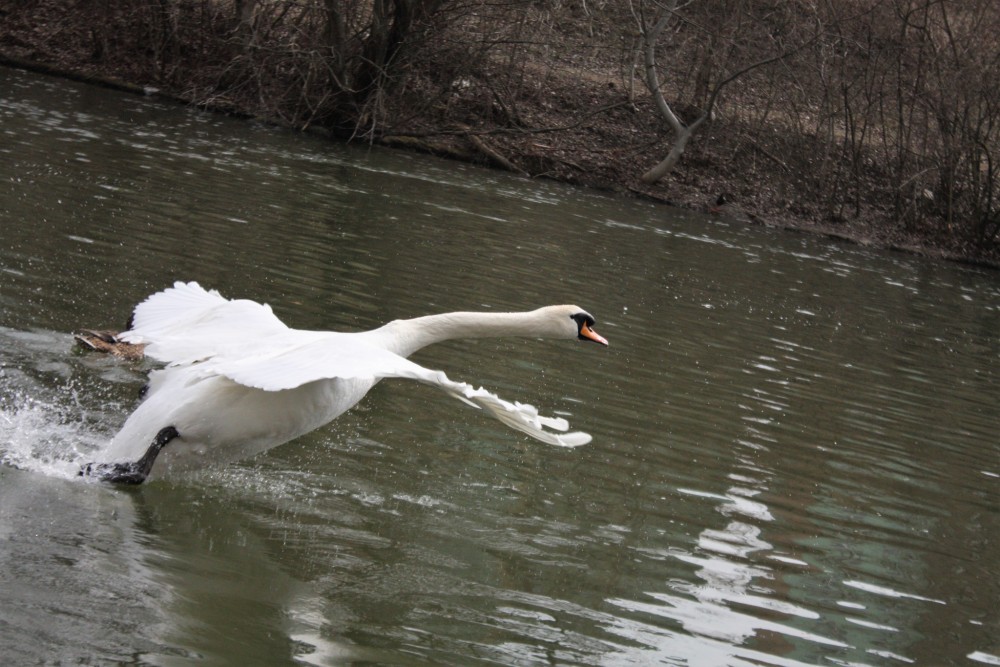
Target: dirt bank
[{"x": 572, "y": 118}]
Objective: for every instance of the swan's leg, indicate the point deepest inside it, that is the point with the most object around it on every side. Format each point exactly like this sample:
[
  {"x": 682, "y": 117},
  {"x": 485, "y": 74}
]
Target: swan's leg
[{"x": 131, "y": 473}]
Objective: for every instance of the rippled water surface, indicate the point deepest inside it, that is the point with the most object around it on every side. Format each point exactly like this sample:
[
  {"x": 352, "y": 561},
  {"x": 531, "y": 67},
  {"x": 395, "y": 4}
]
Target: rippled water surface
[{"x": 795, "y": 461}]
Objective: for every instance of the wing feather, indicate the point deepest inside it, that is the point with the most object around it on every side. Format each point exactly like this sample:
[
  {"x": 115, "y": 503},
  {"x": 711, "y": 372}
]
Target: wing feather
[
  {"x": 186, "y": 323},
  {"x": 322, "y": 356},
  {"x": 520, "y": 416}
]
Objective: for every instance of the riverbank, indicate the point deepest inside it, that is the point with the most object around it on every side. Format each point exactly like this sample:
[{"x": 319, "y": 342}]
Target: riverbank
[{"x": 572, "y": 118}]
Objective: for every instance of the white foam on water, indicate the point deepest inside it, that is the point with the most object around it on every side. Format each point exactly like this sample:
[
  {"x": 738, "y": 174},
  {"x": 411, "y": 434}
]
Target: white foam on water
[{"x": 47, "y": 430}]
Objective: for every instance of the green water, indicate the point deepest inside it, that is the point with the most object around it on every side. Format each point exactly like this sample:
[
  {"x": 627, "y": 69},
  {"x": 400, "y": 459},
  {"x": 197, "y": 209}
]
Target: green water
[{"x": 795, "y": 459}]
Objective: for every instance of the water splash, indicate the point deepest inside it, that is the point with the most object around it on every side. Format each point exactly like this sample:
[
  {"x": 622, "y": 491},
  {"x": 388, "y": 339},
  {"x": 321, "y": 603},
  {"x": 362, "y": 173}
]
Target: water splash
[
  {"x": 52, "y": 418},
  {"x": 40, "y": 433}
]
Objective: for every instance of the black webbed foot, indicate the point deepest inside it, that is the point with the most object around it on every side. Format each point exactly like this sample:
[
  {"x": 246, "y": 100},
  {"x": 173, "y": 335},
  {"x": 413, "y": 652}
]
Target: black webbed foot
[{"x": 129, "y": 472}]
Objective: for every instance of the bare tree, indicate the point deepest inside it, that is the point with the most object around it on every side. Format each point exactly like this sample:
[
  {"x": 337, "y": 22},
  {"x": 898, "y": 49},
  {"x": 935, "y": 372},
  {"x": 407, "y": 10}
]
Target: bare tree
[
  {"x": 653, "y": 18},
  {"x": 908, "y": 90}
]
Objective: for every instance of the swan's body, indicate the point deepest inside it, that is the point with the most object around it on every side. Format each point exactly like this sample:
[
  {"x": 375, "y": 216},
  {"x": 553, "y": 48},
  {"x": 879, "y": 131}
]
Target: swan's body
[{"x": 239, "y": 382}]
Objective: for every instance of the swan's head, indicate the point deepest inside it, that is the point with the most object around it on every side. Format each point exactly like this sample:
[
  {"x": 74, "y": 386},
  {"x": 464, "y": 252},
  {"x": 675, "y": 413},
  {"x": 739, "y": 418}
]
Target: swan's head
[{"x": 574, "y": 322}]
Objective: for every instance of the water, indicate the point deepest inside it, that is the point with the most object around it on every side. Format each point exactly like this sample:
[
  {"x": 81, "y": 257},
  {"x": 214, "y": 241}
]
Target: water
[{"x": 795, "y": 456}]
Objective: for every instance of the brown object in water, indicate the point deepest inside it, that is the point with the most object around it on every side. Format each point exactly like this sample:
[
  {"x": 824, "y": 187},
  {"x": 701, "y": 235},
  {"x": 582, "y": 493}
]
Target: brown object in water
[{"x": 108, "y": 342}]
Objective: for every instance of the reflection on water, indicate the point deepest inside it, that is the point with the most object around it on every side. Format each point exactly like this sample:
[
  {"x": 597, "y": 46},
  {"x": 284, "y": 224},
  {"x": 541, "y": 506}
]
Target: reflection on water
[{"x": 794, "y": 461}]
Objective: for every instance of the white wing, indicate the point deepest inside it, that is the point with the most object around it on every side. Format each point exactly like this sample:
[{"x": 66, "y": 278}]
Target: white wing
[
  {"x": 308, "y": 356},
  {"x": 346, "y": 356},
  {"x": 185, "y": 323},
  {"x": 520, "y": 416}
]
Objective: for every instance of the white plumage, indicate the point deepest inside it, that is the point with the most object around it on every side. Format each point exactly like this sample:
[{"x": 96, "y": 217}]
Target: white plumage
[{"x": 238, "y": 381}]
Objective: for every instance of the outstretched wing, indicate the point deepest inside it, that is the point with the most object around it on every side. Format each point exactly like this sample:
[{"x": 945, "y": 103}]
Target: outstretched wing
[
  {"x": 344, "y": 356},
  {"x": 186, "y": 323},
  {"x": 520, "y": 416}
]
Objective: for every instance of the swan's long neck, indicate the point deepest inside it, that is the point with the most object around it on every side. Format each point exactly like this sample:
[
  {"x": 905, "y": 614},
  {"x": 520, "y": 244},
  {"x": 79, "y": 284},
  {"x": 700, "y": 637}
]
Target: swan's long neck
[{"x": 404, "y": 337}]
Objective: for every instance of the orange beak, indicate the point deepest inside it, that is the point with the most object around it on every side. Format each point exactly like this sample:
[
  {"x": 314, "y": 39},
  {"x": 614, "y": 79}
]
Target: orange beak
[{"x": 590, "y": 334}]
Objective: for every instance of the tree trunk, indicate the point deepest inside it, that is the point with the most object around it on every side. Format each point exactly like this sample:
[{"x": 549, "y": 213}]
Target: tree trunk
[
  {"x": 668, "y": 163},
  {"x": 683, "y": 133}
]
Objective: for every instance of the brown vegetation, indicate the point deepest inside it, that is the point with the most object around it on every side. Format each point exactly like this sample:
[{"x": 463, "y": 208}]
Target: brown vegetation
[{"x": 875, "y": 120}]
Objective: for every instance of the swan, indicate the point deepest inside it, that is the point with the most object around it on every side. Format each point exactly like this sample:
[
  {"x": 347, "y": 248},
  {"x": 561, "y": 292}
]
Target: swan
[{"x": 238, "y": 381}]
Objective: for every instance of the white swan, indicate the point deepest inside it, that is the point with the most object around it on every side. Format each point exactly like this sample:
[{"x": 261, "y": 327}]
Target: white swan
[{"x": 239, "y": 382}]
